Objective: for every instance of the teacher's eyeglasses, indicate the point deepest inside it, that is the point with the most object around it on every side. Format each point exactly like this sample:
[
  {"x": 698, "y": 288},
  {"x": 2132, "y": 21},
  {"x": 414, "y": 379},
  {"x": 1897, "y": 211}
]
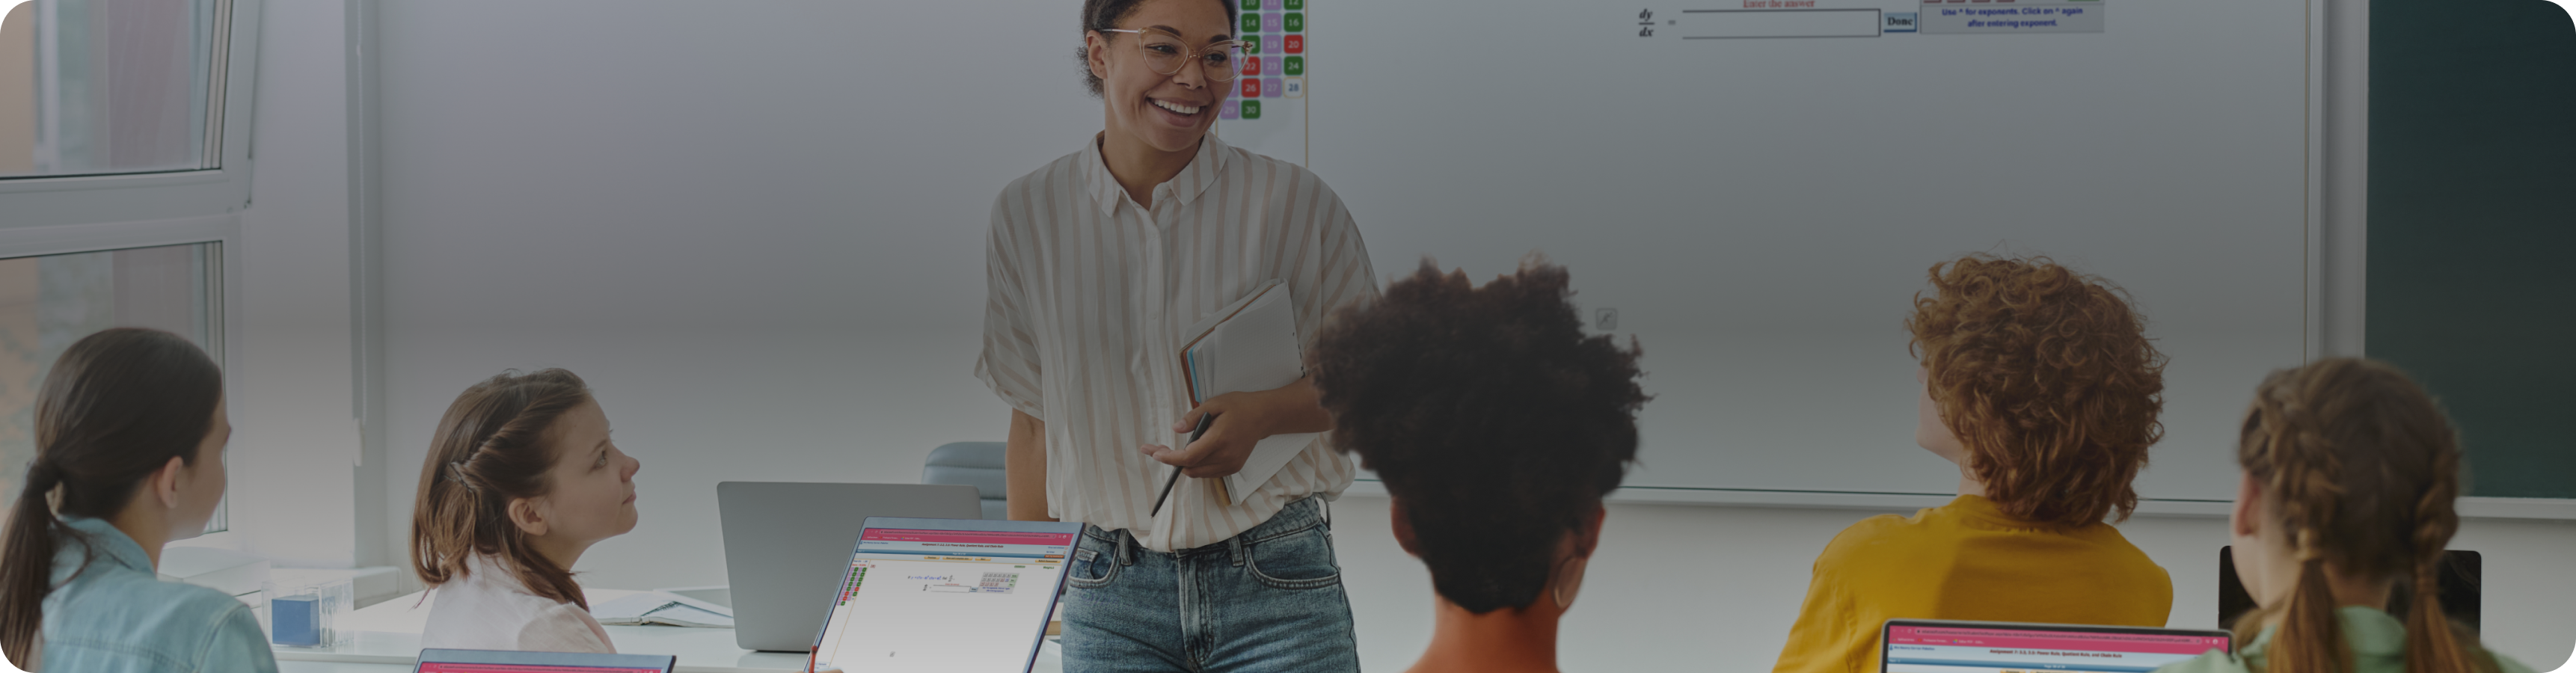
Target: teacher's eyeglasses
[{"x": 1166, "y": 53}]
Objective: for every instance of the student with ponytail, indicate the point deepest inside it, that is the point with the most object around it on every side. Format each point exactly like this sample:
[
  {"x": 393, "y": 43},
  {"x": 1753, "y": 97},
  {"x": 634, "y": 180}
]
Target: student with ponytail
[
  {"x": 520, "y": 480},
  {"x": 2350, "y": 474},
  {"x": 130, "y": 433}
]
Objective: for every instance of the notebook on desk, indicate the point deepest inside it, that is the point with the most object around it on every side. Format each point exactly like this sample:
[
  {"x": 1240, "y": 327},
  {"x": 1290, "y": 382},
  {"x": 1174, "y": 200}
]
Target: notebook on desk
[
  {"x": 662, "y": 609},
  {"x": 1250, "y": 345}
]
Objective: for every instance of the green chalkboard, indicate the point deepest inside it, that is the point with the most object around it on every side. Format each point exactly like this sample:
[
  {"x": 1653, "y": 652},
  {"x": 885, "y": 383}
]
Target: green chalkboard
[{"x": 2472, "y": 267}]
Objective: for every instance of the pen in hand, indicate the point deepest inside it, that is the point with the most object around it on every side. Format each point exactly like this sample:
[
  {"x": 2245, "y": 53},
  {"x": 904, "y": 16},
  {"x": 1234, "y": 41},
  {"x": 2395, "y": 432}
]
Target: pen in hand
[{"x": 1204, "y": 422}]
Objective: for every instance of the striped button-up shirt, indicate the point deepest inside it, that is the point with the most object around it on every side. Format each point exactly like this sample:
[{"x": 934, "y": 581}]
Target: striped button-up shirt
[{"x": 1090, "y": 293}]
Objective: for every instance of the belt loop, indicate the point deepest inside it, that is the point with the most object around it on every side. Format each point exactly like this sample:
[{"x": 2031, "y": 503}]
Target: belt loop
[
  {"x": 1234, "y": 550},
  {"x": 1327, "y": 507},
  {"x": 1126, "y": 547}
]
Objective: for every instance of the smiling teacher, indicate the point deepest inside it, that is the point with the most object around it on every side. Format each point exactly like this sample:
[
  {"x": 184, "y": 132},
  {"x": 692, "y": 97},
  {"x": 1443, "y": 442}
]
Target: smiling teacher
[{"x": 1097, "y": 263}]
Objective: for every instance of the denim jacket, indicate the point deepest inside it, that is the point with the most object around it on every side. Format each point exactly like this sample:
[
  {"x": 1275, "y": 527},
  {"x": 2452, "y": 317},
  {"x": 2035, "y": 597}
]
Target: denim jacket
[{"x": 117, "y": 616}]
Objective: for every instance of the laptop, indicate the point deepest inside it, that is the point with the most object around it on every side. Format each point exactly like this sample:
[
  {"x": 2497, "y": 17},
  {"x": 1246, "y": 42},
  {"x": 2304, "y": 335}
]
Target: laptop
[
  {"x": 785, "y": 540},
  {"x": 495, "y": 661},
  {"x": 1943, "y": 646},
  {"x": 945, "y": 595}
]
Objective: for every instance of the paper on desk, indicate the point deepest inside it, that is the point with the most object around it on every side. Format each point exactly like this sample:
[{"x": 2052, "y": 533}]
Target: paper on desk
[{"x": 663, "y": 608}]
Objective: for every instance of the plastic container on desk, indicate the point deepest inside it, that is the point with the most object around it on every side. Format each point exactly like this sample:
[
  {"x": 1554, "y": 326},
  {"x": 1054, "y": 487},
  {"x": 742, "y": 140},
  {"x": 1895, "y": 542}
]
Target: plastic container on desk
[{"x": 301, "y": 614}]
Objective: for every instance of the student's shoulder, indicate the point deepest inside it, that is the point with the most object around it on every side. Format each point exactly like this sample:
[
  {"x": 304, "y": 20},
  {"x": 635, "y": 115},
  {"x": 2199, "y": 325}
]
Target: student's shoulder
[
  {"x": 1897, "y": 541},
  {"x": 173, "y": 600},
  {"x": 1930, "y": 525},
  {"x": 1872, "y": 539},
  {"x": 2114, "y": 550},
  {"x": 203, "y": 601},
  {"x": 172, "y": 616},
  {"x": 562, "y": 627}
]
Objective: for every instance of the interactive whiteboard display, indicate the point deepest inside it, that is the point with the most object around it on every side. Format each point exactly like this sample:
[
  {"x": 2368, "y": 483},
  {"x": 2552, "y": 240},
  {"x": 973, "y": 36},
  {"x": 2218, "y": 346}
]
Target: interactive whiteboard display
[{"x": 1756, "y": 188}]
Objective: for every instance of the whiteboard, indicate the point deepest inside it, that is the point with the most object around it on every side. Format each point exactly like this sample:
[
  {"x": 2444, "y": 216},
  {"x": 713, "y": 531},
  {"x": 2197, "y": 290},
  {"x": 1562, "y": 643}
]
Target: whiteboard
[{"x": 1758, "y": 194}]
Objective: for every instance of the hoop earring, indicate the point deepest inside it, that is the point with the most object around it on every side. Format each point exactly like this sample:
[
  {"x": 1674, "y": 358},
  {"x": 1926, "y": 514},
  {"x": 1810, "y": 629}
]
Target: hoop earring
[{"x": 1569, "y": 581}]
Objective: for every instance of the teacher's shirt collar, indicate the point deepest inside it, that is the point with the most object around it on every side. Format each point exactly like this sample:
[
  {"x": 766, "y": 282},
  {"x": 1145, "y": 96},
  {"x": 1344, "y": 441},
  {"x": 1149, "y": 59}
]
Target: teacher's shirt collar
[{"x": 1193, "y": 180}]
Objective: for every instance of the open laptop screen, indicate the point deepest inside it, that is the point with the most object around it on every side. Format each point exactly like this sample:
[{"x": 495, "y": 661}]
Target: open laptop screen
[
  {"x": 945, "y": 595},
  {"x": 1927, "y": 646}
]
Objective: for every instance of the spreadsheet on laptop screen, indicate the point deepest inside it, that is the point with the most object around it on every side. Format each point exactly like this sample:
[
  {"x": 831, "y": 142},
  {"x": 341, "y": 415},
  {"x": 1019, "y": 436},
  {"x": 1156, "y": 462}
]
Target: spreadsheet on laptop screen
[{"x": 943, "y": 600}]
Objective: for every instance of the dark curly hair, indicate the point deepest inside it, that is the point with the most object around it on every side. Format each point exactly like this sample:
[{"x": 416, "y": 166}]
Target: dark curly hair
[
  {"x": 2048, "y": 379},
  {"x": 1492, "y": 418},
  {"x": 1104, "y": 15}
]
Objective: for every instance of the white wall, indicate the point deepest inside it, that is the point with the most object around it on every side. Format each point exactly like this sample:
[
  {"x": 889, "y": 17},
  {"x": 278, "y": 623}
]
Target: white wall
[
  {"x": 294, "y": 438},
  {"x": 703, "y": 213},
  {"x": 287, "y": 341}
]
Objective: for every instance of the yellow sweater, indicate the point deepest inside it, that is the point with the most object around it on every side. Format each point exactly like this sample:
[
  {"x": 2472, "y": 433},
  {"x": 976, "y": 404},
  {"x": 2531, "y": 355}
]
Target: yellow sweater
[{"x": 1966, "y": 560}]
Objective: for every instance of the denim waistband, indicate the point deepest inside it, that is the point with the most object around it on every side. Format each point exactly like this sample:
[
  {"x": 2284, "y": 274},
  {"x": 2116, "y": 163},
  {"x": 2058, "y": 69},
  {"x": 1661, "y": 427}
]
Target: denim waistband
[{"x": 1298, "y": 516}]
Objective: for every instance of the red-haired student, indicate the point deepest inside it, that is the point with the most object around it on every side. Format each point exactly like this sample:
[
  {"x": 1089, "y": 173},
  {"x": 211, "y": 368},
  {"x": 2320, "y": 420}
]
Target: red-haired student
[{"x": 2040, "y": 384}]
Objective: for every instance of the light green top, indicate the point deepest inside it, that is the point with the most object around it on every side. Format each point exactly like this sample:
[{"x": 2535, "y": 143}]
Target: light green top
[{"x": 2378, "y": 646}]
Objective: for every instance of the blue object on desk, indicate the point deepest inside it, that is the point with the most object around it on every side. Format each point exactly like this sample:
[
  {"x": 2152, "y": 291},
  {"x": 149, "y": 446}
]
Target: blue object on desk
[{"x": 295, "y": 621}]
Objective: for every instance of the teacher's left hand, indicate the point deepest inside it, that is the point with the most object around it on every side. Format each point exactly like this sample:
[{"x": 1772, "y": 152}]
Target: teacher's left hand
[{"x": 1242, "y": 420}]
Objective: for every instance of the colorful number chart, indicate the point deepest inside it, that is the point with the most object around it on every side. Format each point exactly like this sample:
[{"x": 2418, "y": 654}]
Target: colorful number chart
[{"x": 1267, "y": 113}]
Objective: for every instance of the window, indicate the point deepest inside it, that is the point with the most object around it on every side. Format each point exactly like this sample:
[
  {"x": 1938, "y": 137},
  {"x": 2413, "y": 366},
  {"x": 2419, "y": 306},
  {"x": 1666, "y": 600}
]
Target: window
[
  {"x": 123, "y": 111},
  {"x": 124, "y": 166},
  {"x": 92, "y": 87},
  {"x": 49, "y": 301}
]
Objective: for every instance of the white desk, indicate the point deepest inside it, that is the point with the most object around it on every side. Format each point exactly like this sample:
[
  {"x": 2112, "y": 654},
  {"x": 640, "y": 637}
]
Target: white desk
[{"x": 385, "y": 638}]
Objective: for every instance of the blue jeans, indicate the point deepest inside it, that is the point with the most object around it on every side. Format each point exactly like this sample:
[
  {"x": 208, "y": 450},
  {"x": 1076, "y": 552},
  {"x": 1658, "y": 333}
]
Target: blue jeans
[{"x": 1269, "y": 600}]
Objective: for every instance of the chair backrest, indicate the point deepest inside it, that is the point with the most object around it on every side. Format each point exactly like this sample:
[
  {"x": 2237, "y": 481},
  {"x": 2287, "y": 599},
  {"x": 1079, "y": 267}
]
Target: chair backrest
[{"x": 977, "y": 464}]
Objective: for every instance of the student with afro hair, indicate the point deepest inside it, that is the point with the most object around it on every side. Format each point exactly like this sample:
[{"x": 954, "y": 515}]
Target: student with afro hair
[{"x": 1497, "y": 425}]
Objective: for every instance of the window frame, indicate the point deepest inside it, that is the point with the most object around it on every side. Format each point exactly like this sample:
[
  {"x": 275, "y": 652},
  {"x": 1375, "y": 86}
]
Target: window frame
[
  {"x": 82, "y": 200},
  {"x": 222, "y": 230},
  {"x": 56, "y": 215}
]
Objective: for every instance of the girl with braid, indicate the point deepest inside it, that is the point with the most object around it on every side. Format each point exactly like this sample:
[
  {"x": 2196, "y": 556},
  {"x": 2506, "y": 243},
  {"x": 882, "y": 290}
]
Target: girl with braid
[
  {"x": 2350, "y": 474},
  {"x": 521, "y": 479}
]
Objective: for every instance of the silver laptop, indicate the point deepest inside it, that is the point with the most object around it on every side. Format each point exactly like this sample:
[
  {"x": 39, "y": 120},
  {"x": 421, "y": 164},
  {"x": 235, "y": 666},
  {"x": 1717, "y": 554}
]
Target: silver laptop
[{"x": 786, "y": 543}]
